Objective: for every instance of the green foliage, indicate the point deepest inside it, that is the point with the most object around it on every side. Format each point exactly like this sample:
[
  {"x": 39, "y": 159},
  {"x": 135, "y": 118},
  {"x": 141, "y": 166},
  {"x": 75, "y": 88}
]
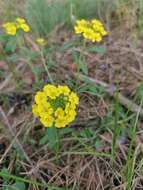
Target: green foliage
[
  {"x": 95, "y": 90},
  {"x": 8, "y": 42},
  {"x": 8, "y": 185},
  {"x": 97, "y": 49},
  {"x": 80, "y": 62},
  {"x": 87, "y": 133},
  {"x": 49, "y": 137},
  {"x": 140, "y": 22},
  {"x": 8, "y": 9},
  {"x": 92, "y": 8},
  {"x": 52, "y": 135},
  {"x": 139, "y": 92},
  {"x": 41, "y": 19},
  {"x": 40, "y": 15}
]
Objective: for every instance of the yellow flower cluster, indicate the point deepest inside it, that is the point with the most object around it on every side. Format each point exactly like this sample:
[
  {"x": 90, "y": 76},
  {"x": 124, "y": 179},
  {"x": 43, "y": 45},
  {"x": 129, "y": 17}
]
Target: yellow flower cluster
[
  {"x": 41, "y": 41},
  {"x": 92, "y": 30},
  {"x": 55, "y": 105},
  {"x": 12, "y": 27}
]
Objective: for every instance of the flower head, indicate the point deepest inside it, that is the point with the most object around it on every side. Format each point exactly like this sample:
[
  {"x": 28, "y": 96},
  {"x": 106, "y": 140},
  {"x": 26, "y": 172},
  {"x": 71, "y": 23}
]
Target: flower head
[
  {"x": 41, "y": 41},
  {"x": 92, "y": 30},
  {"x": 25, "y": 27},
  {"x": 20, "y": 20},
  {"x": 21, "y": 24},
  {"x": 11, "y": 28},
  {"x": 55, "y": 105}
]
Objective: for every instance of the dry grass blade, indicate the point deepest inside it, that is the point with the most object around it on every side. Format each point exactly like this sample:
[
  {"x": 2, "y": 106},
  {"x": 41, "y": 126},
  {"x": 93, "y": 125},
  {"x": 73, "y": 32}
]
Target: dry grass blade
[
  {"x": 11, "y": 130},
  {"x": 11, "y": 144},
  {"x": 8, "y": 78}
]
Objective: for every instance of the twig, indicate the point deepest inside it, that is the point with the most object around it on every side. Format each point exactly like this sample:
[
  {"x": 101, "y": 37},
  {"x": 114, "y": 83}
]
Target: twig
[{"x": 111, "y": 89}]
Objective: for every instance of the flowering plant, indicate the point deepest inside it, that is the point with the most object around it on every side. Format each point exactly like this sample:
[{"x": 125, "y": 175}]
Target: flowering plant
[
  {"x": 91, "y": 30},
  {"x": 55, "y": 106}
]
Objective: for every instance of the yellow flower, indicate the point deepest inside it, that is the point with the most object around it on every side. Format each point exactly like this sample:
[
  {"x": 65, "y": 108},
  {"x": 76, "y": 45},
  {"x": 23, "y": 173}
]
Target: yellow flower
[
  {"x": 59, "y": 113},
  {"x": 20, "y": 20},
  {"x": 67, "y": 107},
  {"x": 50, "y": 91},
  {"x": 91, "y": 30},
  {"x": 47, "y": 121},
  {"x": 71, "y": 115},
  {"x": 55, "y": 105},
  {"x": 88, "y": 33},
  {"x": 96, "y": 23},
  {"x": 73, "y": 98},
  {"x": 82, "y": 22},
  {"x": 10, "y": 28},
  {"x": 35, "y": 110},
  {"x": 63, "y": 90},
  {"x": 59, "y": 123},
  {"x": 24, "y": 27},
  {"x": 41, "y": 41},
  {"x": 78, "y": 30},
  {"x": 43, "y": 111},
  {"x": 40, "y": 97}
]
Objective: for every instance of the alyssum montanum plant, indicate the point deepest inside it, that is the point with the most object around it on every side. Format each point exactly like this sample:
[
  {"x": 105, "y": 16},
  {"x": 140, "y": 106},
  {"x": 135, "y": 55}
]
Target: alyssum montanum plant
[
  {"x": 55, "y": 105},
  {"x": 92, "y": 30}
]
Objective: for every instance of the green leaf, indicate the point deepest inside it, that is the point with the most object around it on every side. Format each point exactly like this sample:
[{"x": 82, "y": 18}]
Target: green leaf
[
  {"x": 83, "y": 67},
  {"x": 65, "y": 131},
  {"x": 13, "y": 57},
  {"x": 51, "y": 132},
  {"x": 98, "y": 143},
  {"x": 37, "y": 70},
  {"x": 3, "y": 38},
  {"x": 140, "y": 90},
  {"x": 30, "y": 54},
  {"x": 18, "y": 186},
  {"x": 66, "y": 46},
  {"x": 89, "y": 89},
  {"x": 87, "y": 133},
  {"x": 10, "y": 45},
  {"x": 93, "y": 90},
  {"x": 44, "y": 139},
  {"x": 96, "y": 49},
  {"x": 49, "y": 137},
  {"x": 5, "y": 171}
]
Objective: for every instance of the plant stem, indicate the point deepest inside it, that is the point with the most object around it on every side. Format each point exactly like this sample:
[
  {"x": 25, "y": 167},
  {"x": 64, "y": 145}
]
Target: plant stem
[
  {"x": 116, "y": 130},
  {"x": 81, "y": 57},
  {"x": 45, "y": 66},
  {"x": 81, "y": 60},
  {"x": 131, "y": 158},
  {"x": 57, "y": 147},
  {"x": 22, "y": 46}
]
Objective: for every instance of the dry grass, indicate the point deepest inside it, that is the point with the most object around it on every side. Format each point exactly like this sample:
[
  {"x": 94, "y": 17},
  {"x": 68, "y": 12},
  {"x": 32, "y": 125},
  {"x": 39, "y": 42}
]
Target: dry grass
[{"x": 85, "y": 159}]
